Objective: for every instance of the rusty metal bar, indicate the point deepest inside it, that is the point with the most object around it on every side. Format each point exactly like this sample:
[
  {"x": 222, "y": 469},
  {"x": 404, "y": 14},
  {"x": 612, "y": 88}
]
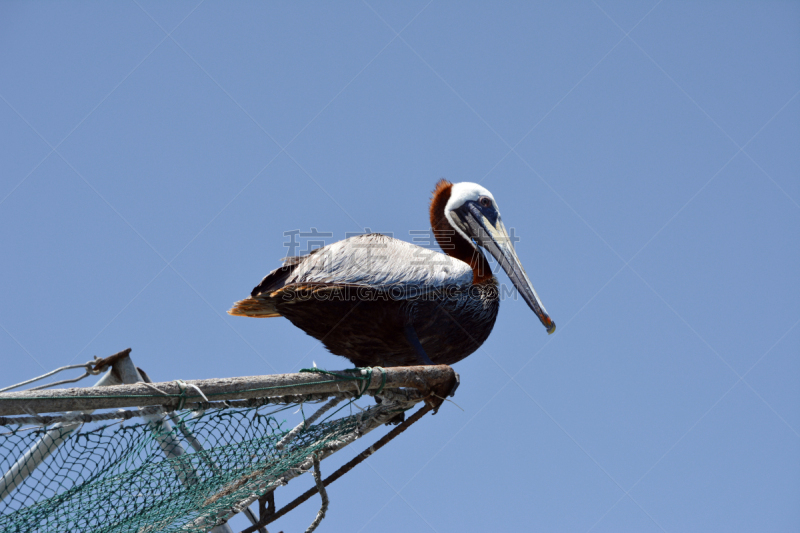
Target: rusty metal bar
[{"x": 265, "y": 520}]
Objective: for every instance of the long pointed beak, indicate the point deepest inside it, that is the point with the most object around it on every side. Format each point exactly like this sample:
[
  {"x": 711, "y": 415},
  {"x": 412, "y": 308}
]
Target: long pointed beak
[{"x": 494, "y": 237}]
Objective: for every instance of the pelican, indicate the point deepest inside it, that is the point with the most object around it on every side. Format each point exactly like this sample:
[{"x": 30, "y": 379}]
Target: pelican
[{"x": 380, "y": 301}]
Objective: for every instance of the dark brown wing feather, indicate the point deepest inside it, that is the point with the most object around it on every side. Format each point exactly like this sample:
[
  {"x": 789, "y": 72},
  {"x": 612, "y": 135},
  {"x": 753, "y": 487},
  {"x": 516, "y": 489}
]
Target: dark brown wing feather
[
  {"x": 260, "y": 303},
  {"x": 277, "y": 278}
]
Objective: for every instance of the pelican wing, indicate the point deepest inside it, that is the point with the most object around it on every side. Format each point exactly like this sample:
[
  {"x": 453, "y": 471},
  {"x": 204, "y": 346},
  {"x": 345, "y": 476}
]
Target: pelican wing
[{"x": 374, "y": 261}]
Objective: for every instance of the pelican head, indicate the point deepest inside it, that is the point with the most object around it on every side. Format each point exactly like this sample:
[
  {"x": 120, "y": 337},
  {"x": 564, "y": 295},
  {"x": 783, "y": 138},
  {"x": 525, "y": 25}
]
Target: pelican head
[{"x": 472, "y": 211}]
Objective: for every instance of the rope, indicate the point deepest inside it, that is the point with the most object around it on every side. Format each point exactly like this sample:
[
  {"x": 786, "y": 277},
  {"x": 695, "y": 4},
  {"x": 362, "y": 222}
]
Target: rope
[
  {"x": 383, "y": 379},
  {"x": 195, "y": 387},
  {"x": 182, "y": 385},
  {"x": 89, "y": 366},
  {"x": 305, "y": 423},
  {"x": 32, "y": 413},
  {"x": 150, "y": 385},
  {"x": 364, "y": 377},
  {"x": 322, "y": 492}
]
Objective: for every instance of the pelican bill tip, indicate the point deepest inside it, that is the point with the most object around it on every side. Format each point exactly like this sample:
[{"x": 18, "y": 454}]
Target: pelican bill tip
[{"x": 551, "y": 328}]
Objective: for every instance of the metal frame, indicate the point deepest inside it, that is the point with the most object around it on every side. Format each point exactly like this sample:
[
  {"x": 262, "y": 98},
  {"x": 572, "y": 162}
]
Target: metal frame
[{"x": 124, "y": 385}]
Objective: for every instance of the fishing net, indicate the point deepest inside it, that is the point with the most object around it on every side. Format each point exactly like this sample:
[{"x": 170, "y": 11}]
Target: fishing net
[{"x": 190, "y": 470}]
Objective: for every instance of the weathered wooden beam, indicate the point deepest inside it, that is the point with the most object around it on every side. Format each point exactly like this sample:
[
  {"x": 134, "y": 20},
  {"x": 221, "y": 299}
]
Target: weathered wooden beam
[{"x": 171, "y": 394}]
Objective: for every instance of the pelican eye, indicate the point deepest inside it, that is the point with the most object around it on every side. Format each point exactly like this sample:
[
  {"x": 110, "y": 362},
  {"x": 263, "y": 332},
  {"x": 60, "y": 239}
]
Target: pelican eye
[{"x": 485, "y": 201}]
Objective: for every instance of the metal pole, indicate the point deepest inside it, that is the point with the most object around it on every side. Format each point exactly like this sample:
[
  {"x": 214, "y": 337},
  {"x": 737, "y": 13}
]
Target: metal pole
[{"x": 423, "y": 378}]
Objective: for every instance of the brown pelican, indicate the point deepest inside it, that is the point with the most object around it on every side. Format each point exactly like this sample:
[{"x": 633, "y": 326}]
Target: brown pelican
[{"x": 380, "y": 301}]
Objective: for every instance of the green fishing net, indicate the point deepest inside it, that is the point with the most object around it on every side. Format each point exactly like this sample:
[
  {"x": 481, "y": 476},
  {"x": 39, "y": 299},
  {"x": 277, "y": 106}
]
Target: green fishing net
[{"x": 114, "y": 476}]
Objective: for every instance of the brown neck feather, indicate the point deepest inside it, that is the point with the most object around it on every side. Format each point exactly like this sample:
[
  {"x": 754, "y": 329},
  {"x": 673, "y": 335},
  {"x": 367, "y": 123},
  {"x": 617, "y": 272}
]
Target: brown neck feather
[{"x": 451, "y": 241}]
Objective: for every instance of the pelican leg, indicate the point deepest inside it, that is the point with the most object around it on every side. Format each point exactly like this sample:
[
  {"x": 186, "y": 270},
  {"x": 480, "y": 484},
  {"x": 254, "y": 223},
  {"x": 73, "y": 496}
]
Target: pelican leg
[{"x": 413, "y": 340}]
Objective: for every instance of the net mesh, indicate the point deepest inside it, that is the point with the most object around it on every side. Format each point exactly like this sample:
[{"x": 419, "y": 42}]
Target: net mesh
[{"x": 115, "y": 476}]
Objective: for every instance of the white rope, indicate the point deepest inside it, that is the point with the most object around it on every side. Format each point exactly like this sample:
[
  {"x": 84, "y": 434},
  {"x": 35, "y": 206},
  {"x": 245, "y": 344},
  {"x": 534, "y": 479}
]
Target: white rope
[
  {"x": 449, "y": 400},
  {"x": 151, "y": 386},
  {"x": 322, "y": 492},
  {"x": 195, "y": 387},
  {"x": 305, "y": 423},
  {"x": 89, "y": 366}
]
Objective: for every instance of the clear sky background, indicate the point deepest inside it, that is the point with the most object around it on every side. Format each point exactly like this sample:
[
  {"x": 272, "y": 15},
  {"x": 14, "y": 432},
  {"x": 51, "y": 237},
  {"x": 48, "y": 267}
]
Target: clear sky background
[{"x": 153, "y": 154}]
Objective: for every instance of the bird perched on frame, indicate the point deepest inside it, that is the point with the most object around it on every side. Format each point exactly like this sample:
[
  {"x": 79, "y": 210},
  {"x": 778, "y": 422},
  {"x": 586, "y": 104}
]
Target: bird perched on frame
[{"x": 380, "y": 301}]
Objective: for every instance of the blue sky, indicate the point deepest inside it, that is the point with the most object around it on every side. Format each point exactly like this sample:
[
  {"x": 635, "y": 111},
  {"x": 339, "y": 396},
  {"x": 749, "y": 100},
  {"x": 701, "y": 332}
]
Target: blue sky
[{"x": 646, "y": 154}]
